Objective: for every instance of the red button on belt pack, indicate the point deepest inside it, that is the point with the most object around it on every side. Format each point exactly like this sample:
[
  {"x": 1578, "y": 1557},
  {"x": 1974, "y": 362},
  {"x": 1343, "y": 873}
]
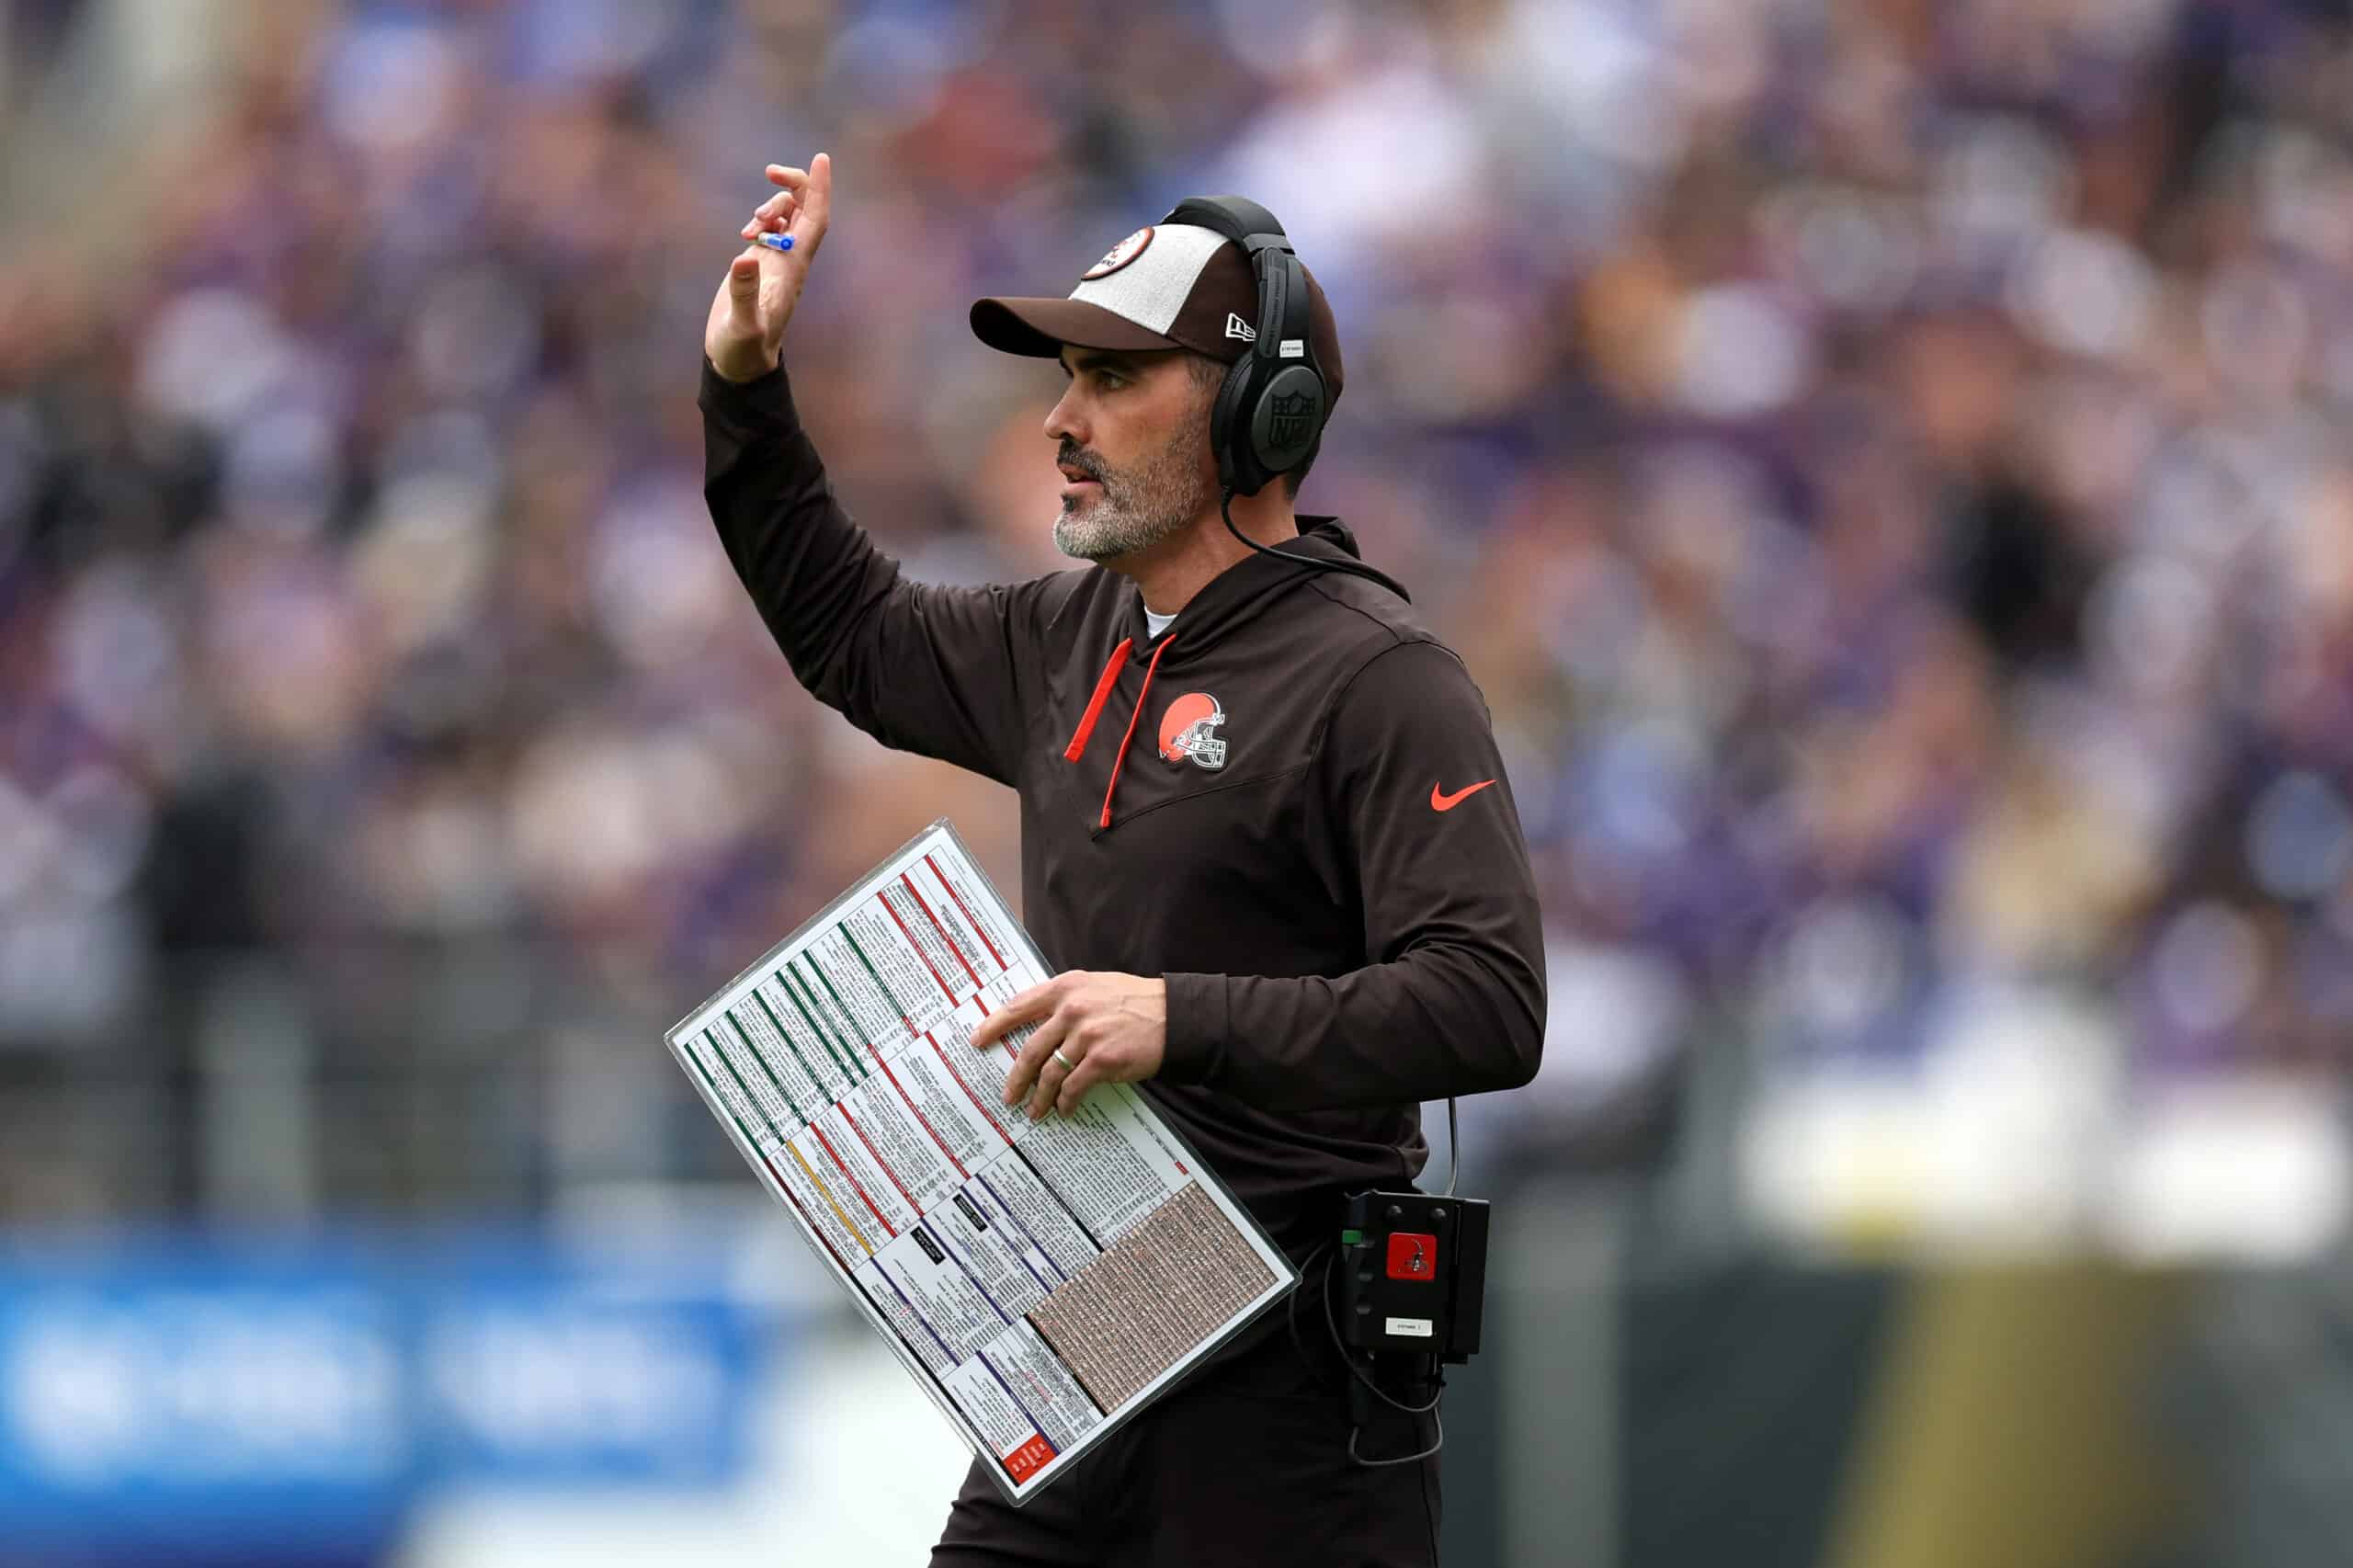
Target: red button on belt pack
[{"x": 1413, "y": 1255}]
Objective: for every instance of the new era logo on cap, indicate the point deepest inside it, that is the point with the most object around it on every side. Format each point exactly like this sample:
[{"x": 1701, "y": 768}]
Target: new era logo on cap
[{"x": 1237, "y": 328}]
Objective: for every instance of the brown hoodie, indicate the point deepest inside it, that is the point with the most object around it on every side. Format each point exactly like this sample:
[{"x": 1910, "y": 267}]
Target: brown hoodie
[{"x": 1289, "y": 806}]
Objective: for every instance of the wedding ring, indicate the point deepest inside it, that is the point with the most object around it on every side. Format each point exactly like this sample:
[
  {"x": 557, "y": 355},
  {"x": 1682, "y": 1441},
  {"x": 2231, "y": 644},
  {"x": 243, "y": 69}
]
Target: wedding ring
[{"x": 1067, "y": 1063}]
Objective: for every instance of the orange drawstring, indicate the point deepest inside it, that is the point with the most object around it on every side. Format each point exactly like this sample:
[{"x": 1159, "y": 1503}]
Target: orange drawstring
[
  {"x": 1120, "y": 761},
  {"x": 1086, "y": 730}
]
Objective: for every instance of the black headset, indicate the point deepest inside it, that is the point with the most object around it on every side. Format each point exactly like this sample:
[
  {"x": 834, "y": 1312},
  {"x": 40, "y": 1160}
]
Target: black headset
[
  {"x": 1274, "y": 402},
  {"x": 1272, "y": 407}
]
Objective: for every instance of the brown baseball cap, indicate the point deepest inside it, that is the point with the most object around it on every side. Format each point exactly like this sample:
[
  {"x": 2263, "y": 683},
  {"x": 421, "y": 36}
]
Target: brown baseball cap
[{"x": 1168, "y": 286}]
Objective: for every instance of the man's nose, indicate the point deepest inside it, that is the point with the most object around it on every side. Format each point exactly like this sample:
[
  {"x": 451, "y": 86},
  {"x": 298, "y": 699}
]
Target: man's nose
[{"x": 1064, "y": 422}]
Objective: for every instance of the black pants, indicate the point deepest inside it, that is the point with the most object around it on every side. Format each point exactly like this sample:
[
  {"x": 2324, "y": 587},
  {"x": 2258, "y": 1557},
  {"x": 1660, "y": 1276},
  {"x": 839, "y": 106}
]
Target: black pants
[{"x": 1245, "y": 1464}]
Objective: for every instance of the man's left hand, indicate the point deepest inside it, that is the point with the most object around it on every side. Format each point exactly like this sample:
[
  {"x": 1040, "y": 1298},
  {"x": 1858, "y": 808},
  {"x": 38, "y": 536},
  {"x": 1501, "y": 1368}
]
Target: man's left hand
[{"x": 1113, "y": 1027}]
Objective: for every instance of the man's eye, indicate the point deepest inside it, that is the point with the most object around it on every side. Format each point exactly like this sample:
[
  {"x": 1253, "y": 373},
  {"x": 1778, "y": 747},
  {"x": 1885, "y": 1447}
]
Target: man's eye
[{"x": 1109, "y": 379}]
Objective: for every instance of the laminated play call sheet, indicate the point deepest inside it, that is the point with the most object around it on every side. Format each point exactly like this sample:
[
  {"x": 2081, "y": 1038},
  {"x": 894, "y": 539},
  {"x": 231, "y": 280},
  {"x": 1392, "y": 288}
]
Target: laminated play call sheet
[{"x": 1041, "y": 1280}]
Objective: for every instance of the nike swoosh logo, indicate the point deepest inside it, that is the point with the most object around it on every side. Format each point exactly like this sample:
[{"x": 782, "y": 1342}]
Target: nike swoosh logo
[{"x": 1440, "y": 803}]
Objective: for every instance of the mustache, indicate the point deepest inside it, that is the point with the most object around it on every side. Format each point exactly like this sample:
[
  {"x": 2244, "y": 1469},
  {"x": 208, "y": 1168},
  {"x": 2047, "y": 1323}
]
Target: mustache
[{"x": 1086, "y": 462}]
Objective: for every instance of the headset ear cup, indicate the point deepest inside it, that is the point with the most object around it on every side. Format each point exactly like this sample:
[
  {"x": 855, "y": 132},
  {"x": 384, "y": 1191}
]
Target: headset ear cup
[
  {"x": 1271, "y": 409},
  {"x": 1286, "y": 416},
  {"x": 1238, "y": 468}
]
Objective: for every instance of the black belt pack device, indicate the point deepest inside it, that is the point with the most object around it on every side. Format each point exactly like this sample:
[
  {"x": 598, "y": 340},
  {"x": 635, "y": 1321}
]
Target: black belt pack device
[{"x": 1413, "y": 1273}]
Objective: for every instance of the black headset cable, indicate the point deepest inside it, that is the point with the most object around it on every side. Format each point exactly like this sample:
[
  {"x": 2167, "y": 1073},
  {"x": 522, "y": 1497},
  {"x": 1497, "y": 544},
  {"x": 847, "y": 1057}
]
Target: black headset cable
[{"x": 1314, "y": 564}]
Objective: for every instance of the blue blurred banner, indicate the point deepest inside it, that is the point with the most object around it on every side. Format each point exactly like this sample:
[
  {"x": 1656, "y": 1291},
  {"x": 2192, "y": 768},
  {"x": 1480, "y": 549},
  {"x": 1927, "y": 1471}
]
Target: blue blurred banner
[{"x": 286, "y": 1403}]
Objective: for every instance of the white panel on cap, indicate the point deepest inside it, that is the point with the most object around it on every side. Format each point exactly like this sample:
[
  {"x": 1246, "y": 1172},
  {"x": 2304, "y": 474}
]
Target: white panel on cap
[{"x": 1152, "y": 288}]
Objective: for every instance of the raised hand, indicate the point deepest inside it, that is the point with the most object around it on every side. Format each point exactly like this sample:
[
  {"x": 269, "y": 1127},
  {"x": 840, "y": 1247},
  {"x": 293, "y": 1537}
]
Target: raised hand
[{"x": 744, "y": 337}]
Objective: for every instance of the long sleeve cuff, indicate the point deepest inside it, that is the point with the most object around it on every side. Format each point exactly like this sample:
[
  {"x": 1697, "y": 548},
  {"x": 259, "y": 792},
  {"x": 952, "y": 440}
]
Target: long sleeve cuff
[
  {"x": 760, "y": 404},
  {"x": 1200, "y": 1021}
]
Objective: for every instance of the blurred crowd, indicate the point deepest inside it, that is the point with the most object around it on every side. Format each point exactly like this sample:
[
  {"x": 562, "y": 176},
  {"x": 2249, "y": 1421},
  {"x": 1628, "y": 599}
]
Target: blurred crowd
[{"x": 1885, "y": 461}]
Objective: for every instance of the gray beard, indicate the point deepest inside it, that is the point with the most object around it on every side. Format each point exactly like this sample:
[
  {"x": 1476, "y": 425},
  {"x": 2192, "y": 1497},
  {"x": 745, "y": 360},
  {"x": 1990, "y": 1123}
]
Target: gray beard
[{"x": 1140, "y": 506}]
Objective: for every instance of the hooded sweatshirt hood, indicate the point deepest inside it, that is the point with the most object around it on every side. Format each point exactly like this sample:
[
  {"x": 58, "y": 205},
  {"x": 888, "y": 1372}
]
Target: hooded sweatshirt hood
[{"x": 1248, "y": 587}]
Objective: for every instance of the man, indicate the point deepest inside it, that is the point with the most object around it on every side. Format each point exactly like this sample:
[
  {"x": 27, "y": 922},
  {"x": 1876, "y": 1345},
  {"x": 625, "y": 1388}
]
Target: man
[{"x": 1263, "y": 820}]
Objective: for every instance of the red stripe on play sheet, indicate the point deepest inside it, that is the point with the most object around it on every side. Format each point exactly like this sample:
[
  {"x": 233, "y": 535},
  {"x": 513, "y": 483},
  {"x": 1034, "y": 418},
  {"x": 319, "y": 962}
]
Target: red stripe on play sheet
[
  {"x": 922, "y": 1120},
  {"x": 945, "y": 939},
  {"x": 921, "y": 957},
  {"x": 855, "y": 1186},
  {"x": 978, "y": 929},
  {"x": 967, "y": 1089},
  {"x": 854, "y": 1127}
]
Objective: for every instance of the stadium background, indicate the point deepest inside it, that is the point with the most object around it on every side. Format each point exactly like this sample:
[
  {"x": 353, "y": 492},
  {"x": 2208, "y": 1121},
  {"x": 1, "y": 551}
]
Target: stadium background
[{"x": 1884, "y": 461}]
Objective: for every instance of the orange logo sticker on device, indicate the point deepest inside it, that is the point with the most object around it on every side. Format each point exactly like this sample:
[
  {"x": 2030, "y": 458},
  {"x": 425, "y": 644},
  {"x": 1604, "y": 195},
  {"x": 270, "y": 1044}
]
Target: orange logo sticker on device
[{"x": 1023, "y": 1461}]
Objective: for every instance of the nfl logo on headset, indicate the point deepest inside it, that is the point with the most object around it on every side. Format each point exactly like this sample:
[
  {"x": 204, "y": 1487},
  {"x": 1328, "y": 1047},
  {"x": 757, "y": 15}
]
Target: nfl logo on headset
[
  {"x": 1188, "y": 730},
  {"x": 1290, "y": 420}
]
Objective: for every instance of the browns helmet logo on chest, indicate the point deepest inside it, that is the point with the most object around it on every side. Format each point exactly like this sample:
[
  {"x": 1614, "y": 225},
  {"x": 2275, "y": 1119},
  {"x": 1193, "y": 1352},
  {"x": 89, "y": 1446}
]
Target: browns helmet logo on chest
[{"x": 1188, "y": 730}]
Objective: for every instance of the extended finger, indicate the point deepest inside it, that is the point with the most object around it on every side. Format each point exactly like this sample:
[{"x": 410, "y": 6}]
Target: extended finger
[
  {"x": 816, "y": 204},
  {"x": 1021, "y": 1007},
  {"x": 788, "y": 177}
]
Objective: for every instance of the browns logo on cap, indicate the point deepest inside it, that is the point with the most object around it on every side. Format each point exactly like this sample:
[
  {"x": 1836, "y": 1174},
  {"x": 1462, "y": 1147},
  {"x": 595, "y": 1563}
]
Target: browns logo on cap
[
  {"x": 1118, "y": 255},
  {"x": 1165, "y": 286}
]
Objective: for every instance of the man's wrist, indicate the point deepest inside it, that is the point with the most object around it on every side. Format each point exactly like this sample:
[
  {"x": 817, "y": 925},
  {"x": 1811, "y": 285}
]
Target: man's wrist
[{"x": 742, "y": 371}]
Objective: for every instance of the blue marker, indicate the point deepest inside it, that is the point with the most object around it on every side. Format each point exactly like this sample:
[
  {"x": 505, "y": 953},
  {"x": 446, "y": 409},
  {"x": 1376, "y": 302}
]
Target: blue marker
[{"x": 774, "y": 242}]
